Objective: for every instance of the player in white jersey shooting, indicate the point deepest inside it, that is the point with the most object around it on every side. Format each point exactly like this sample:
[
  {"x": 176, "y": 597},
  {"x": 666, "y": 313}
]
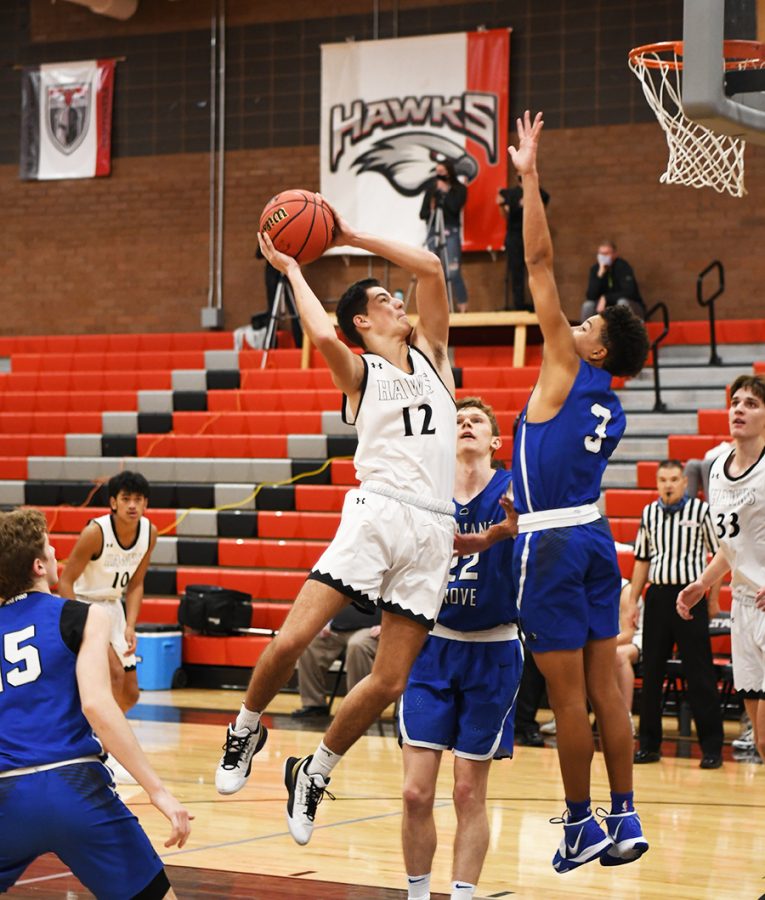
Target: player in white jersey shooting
[
  {"x": 394, "y": 542},
  {"x": 737, "y": 501}
]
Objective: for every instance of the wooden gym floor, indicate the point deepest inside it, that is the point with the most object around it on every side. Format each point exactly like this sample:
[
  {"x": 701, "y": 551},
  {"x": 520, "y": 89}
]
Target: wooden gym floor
[{"x": 705, "y": 827}]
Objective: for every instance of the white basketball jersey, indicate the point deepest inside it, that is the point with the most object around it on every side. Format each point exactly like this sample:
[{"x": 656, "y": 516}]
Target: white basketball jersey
[
  {"x": 738, "y": 513},
  {"x": 407, "y": 428},
  {"x": 107, "y": 576}
]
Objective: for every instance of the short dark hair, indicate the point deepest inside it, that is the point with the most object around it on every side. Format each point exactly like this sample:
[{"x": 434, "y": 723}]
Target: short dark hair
[
  {"x": 22, "y": 541},
  {"x": 753, "y": 383},
  {"x": 671, "y": 464},
  {"x": 625, "y": 340},
  {"x": 608, "y": 242},
  {"x": 130, "y": 482},
  {"x": 354, "y": 303}
]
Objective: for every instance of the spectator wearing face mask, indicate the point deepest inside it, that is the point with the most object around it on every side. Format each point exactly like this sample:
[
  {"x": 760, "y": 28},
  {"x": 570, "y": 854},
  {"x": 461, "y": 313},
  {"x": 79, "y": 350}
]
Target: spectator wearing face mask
[{"x": 612, "y": 283}]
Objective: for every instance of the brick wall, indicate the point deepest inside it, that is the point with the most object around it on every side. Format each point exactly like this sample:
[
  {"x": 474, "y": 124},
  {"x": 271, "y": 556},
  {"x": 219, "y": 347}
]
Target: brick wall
[{"x": 130, "y": 252}]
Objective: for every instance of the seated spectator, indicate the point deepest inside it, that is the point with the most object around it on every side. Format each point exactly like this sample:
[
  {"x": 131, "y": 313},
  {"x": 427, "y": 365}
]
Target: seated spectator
[
  {"x": 612, "y": 283},
  {"x": 629, "y": 645},
  {"x": 351, "y": 631}
]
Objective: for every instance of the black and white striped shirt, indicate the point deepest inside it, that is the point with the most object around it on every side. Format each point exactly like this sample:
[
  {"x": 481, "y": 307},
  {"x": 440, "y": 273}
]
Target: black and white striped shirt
[{"x": 676, "y": 544}]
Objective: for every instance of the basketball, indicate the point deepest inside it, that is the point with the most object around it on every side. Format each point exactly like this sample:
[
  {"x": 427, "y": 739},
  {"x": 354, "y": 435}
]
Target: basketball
[{"x": 299, "y": 223}]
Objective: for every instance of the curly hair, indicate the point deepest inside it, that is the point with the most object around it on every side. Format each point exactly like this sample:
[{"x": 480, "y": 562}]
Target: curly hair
[
  {"x": 22, "y": 541},
  {"x": 354, "y": 303},
  {"x": 625, "y": 340}
]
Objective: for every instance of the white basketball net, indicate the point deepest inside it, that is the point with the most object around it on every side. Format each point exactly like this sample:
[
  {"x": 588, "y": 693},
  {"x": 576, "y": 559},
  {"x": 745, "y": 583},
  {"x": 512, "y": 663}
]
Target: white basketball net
[{"x": 698, "y": 157}]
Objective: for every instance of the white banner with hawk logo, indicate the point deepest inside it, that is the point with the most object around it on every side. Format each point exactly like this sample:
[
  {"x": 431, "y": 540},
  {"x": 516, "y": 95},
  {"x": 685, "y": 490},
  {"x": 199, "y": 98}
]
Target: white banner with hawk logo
[
  {"x": 391, "y": 109},
  {"x": 66, "y": 119}
]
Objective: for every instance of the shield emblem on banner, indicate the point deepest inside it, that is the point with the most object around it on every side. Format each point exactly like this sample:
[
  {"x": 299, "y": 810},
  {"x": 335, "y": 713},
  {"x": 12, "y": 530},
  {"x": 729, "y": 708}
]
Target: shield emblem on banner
[{"x": 67, "y": 115}]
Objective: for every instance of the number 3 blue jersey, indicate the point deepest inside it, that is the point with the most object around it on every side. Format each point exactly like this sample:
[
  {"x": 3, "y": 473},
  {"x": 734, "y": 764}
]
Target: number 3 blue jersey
[
  {"x": 560, "y": 463},
  {"x": 41, "y": 720},
  {"x": 480, "y": 593}
]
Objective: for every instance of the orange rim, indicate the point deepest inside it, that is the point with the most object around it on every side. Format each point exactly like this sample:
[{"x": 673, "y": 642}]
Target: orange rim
[{"x": 734, "y": 51}]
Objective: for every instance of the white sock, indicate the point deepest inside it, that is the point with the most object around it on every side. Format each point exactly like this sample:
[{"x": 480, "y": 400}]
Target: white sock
[
  {"x": 247, "y": 719},
  {"x": 324, "y": 760},
  {"x": 418, "y": 887},
  {"x": 461, "y": 890}
]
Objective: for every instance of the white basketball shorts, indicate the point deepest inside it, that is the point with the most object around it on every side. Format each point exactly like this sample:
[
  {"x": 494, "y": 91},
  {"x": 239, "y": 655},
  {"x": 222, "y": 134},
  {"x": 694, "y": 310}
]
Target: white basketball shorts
[
  {"x": 391, "y": 553},
  {"x": 117, "y": 615},
  {"x": 748, "y": 645}
]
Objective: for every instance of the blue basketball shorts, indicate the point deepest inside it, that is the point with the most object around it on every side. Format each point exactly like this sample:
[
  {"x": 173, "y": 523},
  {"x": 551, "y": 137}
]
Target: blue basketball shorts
[
  {"x": 568, "y": 585},
  {"x": 74, "y": 812},
  {"x": 461, "y": 697}
]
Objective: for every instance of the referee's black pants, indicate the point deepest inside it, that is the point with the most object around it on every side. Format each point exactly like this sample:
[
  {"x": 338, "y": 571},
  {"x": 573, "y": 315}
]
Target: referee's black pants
[{"x": 662, "y": 629}]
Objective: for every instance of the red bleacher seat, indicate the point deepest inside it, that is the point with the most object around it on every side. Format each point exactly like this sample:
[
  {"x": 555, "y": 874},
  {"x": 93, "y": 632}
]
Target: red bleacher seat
[
  {"x": 298, "y": 525},
  {"x": 693, "y": 446}
]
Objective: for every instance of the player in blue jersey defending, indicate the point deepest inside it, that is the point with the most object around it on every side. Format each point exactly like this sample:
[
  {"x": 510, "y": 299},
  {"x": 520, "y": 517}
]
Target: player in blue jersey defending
[
  {"x": 56, "y": 795},
  {"x": 462, "y": 688},
  {"x": 564, "y": 561}
]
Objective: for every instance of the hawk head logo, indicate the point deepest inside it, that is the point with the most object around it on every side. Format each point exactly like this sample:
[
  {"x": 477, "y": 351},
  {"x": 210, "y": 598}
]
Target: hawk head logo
[{"x": 408, "y": 160}]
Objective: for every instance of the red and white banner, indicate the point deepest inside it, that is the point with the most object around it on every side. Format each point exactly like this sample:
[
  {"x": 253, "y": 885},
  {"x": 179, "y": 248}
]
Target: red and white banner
[
  {"x": 66, "y": 120},
  {"x": 391, "y": 109}
]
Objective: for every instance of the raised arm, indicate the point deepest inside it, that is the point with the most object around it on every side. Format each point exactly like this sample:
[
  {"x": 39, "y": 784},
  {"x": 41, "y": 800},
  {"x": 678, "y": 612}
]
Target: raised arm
[
  {"x": 346, "y": 367},
  {"x": 432, "y": 331},
  {"x": 559, "y": 342}
]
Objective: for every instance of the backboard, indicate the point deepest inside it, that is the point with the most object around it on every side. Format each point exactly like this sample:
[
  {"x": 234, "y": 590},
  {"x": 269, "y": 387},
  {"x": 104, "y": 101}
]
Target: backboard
[{"x": 726, "y": 102}]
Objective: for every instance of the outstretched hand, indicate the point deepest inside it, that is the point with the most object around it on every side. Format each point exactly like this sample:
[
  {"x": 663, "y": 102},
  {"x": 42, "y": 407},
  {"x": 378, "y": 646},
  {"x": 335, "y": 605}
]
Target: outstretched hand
[
  {"x": 344, "y": 234},
  {"x": 466, "y": 544},
  {"x": 525, "y": 157}
]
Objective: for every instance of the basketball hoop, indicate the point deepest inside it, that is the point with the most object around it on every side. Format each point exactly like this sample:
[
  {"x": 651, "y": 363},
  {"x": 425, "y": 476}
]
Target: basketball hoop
[{"x": 698, "y": 157}]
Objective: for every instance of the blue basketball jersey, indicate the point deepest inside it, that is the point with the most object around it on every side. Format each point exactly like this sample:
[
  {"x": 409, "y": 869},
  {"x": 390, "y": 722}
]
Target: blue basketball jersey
[
  {"x": 41, "y": 720},
  {"x": 480, "y": 593},
  {"x": 560, "y": 463}
]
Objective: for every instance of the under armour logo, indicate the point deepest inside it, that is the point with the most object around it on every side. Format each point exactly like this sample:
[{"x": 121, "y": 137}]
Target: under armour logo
[
  {"x": 375, "y": 365},
  {"x": 361, "y": 500}
]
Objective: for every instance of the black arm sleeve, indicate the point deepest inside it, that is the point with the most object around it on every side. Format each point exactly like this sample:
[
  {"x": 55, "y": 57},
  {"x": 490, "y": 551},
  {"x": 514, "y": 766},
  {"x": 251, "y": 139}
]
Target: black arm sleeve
[
  {"x": 74, "y": 614},
  {"x": 624, "y": 282},
  {"x": 595, "y": 285},
  {"x": 455, "y": 198},
  {"x": 425, "y": 208}
]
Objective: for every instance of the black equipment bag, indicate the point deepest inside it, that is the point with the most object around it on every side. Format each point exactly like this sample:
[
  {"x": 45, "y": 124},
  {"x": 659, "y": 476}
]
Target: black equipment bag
[{"x": 214, "y": 610}]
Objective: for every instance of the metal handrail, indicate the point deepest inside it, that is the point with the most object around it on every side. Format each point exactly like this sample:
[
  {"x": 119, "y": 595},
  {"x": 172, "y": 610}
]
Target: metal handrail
[
  {"x": 659, "y": 405},
  {"x": 714, "y": 359}
]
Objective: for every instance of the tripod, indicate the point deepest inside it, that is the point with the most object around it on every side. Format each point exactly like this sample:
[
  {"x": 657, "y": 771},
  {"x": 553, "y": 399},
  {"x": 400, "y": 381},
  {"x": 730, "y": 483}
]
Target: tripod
[
  {"x": 283, "y": 305},
  {"x": 435, "y": 241}
]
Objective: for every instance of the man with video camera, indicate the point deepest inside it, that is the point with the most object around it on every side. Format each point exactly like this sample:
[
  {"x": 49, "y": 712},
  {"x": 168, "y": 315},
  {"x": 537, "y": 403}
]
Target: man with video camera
[{"x": 445, "y": 195}]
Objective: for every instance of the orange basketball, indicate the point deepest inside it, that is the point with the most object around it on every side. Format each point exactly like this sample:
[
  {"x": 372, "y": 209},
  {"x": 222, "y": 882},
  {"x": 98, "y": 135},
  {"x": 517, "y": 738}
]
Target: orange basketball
[{"x": 299, "y": 223}]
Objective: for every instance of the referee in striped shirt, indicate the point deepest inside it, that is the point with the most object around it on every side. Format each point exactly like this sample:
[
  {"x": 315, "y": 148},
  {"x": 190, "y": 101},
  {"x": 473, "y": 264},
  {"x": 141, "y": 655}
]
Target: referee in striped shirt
[{"x": 675, "y": 535}]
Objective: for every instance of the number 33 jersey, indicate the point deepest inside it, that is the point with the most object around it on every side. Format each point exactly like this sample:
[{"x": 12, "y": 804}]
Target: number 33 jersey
[
  {"x": 560, "y": 463},
  {"x": 407, "y": 427},
  {"x": 738, "y": 514},
  {"x": 107, "y": 575}
]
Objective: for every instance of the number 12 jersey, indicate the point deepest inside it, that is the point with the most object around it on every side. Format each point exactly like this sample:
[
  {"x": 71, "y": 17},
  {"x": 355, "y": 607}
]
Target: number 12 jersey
[{"x": 407, "y": 427}]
